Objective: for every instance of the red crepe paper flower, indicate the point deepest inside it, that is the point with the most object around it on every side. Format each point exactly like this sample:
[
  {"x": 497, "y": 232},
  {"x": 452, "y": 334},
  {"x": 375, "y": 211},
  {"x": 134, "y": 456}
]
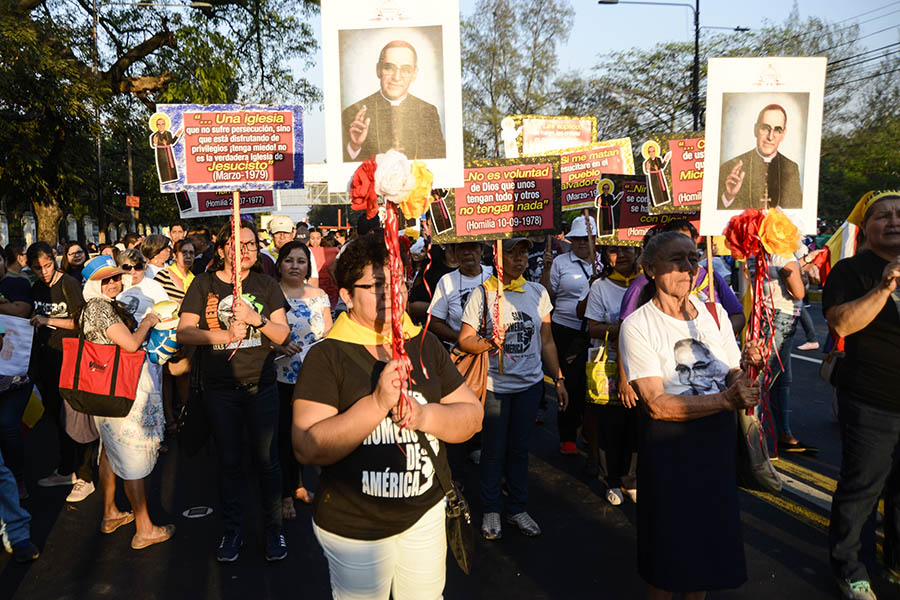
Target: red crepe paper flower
[
  {"x": 362, "y": 189},
  {"x": 742, "y": 234}
]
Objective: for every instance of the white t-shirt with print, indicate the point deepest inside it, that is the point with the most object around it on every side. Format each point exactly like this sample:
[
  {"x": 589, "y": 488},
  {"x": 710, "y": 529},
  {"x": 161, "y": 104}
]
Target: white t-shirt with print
[
  {"x": 604, "y": 301},
  {"x": 776, "y": 288},
  {"x": 521, "y": 314},
  {"x": 140, "y": 298},
  {"x": 452, "y": 294},
  {"x": 692, "y": 357}
]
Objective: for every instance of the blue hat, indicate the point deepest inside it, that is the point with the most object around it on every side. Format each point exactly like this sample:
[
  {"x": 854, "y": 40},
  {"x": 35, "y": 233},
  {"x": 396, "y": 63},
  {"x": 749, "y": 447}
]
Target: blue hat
[{"x": 100, "y": 268}]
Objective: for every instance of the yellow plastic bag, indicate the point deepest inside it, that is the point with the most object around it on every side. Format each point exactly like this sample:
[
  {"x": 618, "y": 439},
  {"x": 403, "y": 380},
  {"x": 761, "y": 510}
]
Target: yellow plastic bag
[{"x": 602, "y": 377}]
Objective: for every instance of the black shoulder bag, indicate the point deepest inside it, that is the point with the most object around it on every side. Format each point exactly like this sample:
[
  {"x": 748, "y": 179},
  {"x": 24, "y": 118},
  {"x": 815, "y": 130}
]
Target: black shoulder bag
[{"x": 460, "y": 532}]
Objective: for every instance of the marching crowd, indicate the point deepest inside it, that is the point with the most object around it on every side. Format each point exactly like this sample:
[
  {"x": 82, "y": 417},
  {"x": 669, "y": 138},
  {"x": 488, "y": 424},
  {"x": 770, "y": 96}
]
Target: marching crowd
[{"x": 647, "y": 376}]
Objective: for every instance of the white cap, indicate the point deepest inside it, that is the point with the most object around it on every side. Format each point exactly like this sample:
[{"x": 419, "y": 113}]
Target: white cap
[
  {"x": 579, "y": 228},
  {"x": 280, "y": 224}
]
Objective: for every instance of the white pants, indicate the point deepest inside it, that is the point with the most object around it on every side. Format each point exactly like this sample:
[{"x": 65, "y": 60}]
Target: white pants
[{"x": 410, "y": 565}]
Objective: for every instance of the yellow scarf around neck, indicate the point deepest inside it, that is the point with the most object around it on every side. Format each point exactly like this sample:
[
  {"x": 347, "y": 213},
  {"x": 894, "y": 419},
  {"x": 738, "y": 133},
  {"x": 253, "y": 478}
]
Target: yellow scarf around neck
[
  {"x": 346, "y": 329},
  {"x": 626, "y": 279},
  {"x": 516, "y": 285}
]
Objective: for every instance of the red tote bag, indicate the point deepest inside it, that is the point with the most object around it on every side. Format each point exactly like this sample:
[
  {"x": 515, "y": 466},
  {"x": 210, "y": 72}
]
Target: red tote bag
[{"x": 99, "y": 379}]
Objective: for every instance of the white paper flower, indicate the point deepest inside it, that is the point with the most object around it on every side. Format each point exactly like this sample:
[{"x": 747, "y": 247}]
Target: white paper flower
[{"x": 393, "y": 177}]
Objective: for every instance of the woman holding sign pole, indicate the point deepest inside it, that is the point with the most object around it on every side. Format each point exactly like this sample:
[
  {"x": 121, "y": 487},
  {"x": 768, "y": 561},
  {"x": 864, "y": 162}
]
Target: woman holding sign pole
[{"x": 238, "y": 378}]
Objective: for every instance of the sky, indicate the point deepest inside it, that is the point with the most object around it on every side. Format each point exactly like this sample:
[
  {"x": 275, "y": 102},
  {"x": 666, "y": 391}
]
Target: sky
[{"x": 602, "y": 28}]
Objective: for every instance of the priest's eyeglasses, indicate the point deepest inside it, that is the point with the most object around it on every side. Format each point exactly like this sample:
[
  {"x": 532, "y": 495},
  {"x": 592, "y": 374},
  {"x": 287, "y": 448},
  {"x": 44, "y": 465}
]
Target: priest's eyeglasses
[{"x": 391, "y": 69}]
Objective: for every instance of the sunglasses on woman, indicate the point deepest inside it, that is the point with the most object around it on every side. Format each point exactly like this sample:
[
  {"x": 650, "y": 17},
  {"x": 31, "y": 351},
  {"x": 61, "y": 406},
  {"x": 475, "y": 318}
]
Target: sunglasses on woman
[{"x": 137, "y": 267}]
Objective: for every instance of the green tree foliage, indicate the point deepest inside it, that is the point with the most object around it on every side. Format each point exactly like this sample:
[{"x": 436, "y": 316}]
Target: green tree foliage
[
  {"x": 54, "y": 102},
  {"x": 509, "y": 62}
]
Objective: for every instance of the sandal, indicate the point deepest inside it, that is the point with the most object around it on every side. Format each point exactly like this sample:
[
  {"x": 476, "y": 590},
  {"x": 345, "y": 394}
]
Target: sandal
[
  {"x": 288, "y": 512},
  {"x": 304, "y": 495},
  {"x": 138, "y": 542},
  {"x": 797, "y": 447},
  {"x": 110, "y": 525}
]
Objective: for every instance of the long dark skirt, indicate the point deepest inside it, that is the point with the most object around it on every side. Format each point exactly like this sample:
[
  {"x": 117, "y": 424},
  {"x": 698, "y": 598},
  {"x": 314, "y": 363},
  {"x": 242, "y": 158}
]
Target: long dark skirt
[{"x": 688, "y": 520}]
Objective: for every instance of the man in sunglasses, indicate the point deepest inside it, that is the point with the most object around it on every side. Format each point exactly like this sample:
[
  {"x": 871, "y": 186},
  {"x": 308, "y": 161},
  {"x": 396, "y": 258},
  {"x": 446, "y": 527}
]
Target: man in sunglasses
[
  {"x": 392, "y": 117},
  {"x": 762, "y": 177}
]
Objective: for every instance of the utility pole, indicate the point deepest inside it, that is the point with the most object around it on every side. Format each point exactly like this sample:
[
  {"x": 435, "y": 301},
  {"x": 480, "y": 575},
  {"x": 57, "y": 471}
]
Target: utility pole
[
  {"x": 695, "y": 108},
  {"x": 99, "y": 152},
  {"x": 130, "y": 185}
]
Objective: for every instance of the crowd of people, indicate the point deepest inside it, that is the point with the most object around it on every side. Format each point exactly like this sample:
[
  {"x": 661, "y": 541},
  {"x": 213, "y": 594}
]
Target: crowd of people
[{"x": 298, "y": 372}]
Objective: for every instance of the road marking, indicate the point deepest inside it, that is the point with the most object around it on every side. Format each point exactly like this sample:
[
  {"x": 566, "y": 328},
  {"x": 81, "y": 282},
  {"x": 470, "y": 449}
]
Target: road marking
[
  {"x": 818, "y": 361},
  {"x": 813, "y": 477},
  {"x": 807, "y": 492},
  {"x": 801, "y": 513}
]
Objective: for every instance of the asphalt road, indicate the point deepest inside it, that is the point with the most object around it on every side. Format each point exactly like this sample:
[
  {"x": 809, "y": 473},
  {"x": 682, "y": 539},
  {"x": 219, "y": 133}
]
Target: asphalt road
[{"x": 587, "y": 548}]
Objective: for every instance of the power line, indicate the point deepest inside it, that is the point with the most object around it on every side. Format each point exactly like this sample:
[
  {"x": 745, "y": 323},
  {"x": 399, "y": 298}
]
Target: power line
[
  {"x": 868, "y": 12},
  {"x": 871, "y": 76},
  {"x": 862, "y": 37},
  {"x": 865, "y": 60},
  {"x": 831, "y": 64}
]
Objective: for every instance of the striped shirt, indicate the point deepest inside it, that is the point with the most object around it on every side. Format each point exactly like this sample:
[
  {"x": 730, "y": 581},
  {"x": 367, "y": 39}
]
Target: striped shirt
[{"x": 170, "y": 279}]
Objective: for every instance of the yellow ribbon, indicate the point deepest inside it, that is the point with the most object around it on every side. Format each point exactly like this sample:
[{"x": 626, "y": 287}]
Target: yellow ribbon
[
  {"x": 626, "y": 279},
  {"x": 858, "y": 214},
  {"x": 346, "y": 329},
  {"x": 516, "y": 285}
]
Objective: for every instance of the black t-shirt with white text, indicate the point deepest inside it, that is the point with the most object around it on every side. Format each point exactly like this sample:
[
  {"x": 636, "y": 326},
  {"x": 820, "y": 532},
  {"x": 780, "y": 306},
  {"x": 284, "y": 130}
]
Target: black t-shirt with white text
[
  {"x": 211, "y": 299},
  {"x": 388, "y": 482},
  {"x": 870, "y": 371},
  {"x": 59, "y": 301}
]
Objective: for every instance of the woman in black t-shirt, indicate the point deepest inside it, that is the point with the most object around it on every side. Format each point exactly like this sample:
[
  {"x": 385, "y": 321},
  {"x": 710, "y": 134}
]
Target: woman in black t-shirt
[
  {"x": 236, "y": 363},
  {"x": 379, "y": 512},
  {"x": 57, "y": 297}
]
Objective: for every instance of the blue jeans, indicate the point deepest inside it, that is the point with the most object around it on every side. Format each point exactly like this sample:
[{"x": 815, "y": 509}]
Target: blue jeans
[
  {"x": 230, "y": 411},
  {"x": 12, "y": 439},
  {"x": 11, "y": 512},
  {"x": 780, "y": 390},
  {"x": 505, "y": 439},
  {"x": 869, "y": 437},
  {"x": 809, "y": 328}
]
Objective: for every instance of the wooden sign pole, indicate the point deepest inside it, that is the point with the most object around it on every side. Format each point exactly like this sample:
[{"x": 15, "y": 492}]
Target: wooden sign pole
[
  {"x": 499, "y": 322},
  {"x": 236, "y": 242},
  {"x": 592, "y": 239}
]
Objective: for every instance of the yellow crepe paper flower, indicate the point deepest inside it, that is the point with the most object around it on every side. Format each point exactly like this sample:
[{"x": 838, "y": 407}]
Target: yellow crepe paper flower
[
  {"x": 419, "y": 199},
  {"x": 412, "y": 233},
  {"x": 778, "y": 234}
]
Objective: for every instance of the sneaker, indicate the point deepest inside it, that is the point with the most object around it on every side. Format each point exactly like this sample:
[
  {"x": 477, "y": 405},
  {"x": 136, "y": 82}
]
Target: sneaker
[
  {"x": 568, "y": 448},
  {"x": 82, "y": 490},
  {"x": 475, "y": 456},
  {"x": 55, "y": 479},
  {"x": 632, "y": 494},
  {"x": 229, "y": 548},
  {"x": 276, "y": 547},
  {"x": 614, "y": 496},
  {"x": 856, "y": 590},
  {"x": 808, "y": 346},
  {"x": 490, "y": 526},
  {"x": 25, "y": 551},
  {"x": 525, "y": 523}
]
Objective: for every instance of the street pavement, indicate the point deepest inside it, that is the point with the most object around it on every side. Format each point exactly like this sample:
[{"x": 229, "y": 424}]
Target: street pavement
[{"x": 587, "y": 548}]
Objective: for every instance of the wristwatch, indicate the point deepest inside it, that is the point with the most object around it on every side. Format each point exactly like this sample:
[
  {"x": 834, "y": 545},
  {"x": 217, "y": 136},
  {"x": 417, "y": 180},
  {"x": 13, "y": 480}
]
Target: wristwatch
[
  {"x": 262, "y": 321},
  {"x": 556, "y": 380}
]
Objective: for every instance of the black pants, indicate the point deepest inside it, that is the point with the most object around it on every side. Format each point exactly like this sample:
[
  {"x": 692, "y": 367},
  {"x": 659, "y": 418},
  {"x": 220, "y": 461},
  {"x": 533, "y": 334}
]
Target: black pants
[
  {"x": 618, "y": 445},
  {"x": 572, "y": 349},
  {"x": 870, "y": 438},
  {"x": 230, "y": 412},
  {"x": 291, "y": 470},
  {"x": 73, "y": 457}
]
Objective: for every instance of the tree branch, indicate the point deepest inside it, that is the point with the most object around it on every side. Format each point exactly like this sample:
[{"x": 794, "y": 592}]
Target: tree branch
[
  {"x": 116, "y": 73},
  {"x": 141, "y": 86}
]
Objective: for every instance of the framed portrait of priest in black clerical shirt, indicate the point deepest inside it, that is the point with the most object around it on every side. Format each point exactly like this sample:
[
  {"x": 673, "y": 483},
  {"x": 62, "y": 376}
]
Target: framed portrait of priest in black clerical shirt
[
  {"x": 392, "y": 82},
  {"x": 763, "y": 139}
]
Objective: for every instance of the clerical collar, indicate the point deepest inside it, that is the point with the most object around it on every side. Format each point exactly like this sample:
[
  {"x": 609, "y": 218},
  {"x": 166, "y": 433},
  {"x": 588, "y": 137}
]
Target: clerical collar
[
  {"x": 393, "y": 102},
  {"x": 766, "y": 159}
]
